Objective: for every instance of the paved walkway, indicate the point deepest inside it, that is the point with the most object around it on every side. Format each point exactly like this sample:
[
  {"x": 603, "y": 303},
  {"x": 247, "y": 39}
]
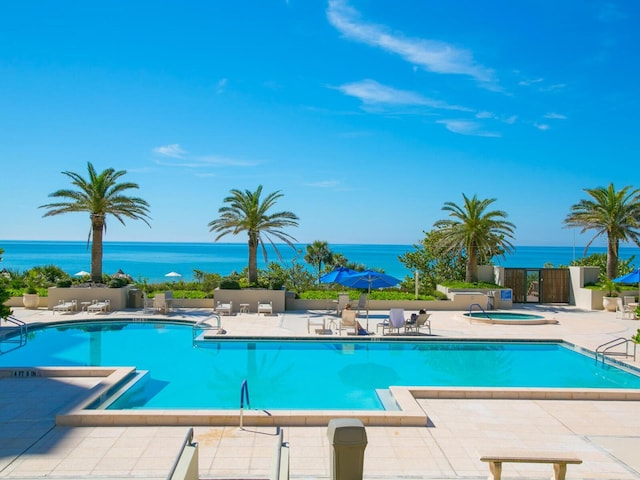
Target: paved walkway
[{"x": 606, "y": 435}]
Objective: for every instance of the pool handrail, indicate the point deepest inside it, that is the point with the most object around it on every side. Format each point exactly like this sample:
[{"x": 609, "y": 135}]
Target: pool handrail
[
  {"x": 21, "y": 341},
  {"x": 202, "y": 326},
  {"x": 244, "y": 394},
  {"x": 187, "y": 442},
  {"x": 481, "y": 309},
  {"x": 603, "y": 349}
]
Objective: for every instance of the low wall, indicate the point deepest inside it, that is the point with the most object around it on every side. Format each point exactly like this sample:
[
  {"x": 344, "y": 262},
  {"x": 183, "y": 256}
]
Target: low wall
[{"x": 118, "y": 297}]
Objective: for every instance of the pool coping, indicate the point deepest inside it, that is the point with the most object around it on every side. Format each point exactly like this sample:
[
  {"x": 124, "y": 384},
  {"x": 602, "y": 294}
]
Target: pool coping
[{"x": 410, "y": 411}]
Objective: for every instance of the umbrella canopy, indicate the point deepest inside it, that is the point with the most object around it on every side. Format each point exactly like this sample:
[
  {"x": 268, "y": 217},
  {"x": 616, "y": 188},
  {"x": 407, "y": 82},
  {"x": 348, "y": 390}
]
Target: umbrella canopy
[
  {"x": 81, "y": 273},
  {"x": 632, "y": 277},
  {"x": 121, "y": 274},
  {"x": 336, "y": 275},
  {"x": 369, "y": 279},
  {"x": 173, "y": 274}
]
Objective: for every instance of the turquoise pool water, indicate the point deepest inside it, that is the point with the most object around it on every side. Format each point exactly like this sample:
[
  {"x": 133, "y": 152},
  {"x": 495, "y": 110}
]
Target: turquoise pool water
[{"x": 317, "y": 374}]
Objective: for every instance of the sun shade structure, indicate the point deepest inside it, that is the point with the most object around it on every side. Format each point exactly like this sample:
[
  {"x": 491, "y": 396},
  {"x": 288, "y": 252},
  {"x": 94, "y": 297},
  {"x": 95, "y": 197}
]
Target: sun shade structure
[
  {"x": 335, "y": 276},
  {"x": 369, "y": 279},
  {"x": 173, "y": 274},
  {"x": 81, "y": 273},
  {"x": 632, "y": 277}
]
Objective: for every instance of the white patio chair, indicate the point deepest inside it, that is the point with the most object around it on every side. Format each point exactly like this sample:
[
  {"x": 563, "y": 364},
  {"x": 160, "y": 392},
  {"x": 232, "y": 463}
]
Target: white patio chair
[{"x": 265, "y": 307}]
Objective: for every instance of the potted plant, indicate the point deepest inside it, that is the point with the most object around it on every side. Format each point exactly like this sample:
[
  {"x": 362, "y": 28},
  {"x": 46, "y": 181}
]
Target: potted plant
[
  {"x": 610, "y": 299},
  {"x": 30, "y": 298}
]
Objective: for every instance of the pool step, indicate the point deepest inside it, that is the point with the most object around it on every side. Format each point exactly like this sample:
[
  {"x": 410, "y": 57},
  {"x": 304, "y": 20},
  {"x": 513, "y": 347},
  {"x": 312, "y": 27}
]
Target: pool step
[
  {"x": 111, "y": 395},
  {"x": 387, "y": 399}
]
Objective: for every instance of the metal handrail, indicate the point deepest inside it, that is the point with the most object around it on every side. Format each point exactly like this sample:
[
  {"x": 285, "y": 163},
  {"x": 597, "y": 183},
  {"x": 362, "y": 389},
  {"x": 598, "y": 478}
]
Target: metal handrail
[
  {"x": 481, "y": 309},
  {"x": 188, "y": 441},
  {"x": 202, "y": 326},
  {"x": 22, "y": 338},
  {"x": 603, "y": 350},
  {"x": 244, "y": 393}
]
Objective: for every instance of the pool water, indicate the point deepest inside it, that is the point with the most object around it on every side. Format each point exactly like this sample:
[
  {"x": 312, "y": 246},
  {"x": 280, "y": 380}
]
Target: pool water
[{"x": 317, "y": 374}]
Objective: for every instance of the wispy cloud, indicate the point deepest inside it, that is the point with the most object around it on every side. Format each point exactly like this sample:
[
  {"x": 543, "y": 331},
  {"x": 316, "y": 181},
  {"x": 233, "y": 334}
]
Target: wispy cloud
[
  {"x": 542, "y": 126},
  {"x": 173, "y": 151},
  {"x": 467, "y": 127},
  {"x": 221, "y": 86},
  {"x": 529, "y": 82},
  {"x": 324, "y": 184},
  {"x": 555, "y": 116},
  {"x": 431, "y": 55},
  {"x": 218, "y": 161},
  {"x": 371, "y": 92}
]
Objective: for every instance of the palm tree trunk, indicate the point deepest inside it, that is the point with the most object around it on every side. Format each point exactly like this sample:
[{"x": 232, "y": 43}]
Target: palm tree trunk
[
  {"x": 612, "y": 258},
  {"x": 97, "y": 227},
  {"x": 253, "y": 258},
  {"x": 472, "y": 267}
]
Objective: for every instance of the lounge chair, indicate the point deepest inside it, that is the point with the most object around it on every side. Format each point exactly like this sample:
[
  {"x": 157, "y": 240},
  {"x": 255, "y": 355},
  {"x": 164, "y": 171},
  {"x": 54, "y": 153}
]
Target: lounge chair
[
  {"x": 422, "y": 320},
  {"x": 97, "y": 307},
  {"x": 396, "y": 320},
  {"x": 66, "y": 307},
  {"x": 265, "y": 307},
  {"x": 348, "y": 320},
  {"x": 362, "y": 303},
  {"x": 224, "y": 308},
  {"x": 343, "y": 301}
]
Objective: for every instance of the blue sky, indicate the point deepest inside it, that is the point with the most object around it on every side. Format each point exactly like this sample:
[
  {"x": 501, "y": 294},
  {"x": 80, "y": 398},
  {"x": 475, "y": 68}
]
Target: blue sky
[{"x": 368, "y": 115}]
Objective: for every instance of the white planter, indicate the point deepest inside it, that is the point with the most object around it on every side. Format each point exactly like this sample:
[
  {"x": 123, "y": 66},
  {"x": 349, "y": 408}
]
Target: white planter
[
  {"x": 609, "y": 303},
  {"x": 30, "y": 300}
]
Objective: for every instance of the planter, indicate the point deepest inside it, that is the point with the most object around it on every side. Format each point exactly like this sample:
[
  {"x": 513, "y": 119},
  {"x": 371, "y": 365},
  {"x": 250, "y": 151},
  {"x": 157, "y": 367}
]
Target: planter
[
  {"x": 609, "y": 303},
  {"x": 30, "y": 300}
]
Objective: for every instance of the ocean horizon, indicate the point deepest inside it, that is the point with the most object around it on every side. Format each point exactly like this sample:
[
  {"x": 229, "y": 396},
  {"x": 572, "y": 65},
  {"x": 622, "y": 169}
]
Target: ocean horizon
[{"x": 151, "y": 261}]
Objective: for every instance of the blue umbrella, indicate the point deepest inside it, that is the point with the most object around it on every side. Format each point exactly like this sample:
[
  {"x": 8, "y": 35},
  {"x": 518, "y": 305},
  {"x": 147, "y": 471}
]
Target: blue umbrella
[
  {"x": 369, "y": 279},
  {"x": 632, "y": 277},
  {"x": 335, "y": 276}
]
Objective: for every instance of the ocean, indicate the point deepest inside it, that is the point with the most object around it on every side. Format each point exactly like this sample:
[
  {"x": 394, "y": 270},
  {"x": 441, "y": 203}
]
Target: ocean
[{"x": 152, "y": 261}]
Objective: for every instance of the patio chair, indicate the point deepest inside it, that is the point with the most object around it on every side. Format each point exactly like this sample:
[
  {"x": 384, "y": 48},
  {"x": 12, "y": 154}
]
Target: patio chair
[
  {"x": 422, "y": 320},
  {"x": 348, "y": 320},
  {"x": 97, "y": 307},
  {"x": 396, "y": 320},
  {"x": 65, "y": 307},
  {"x": 343, "y": 301},
  {"x": 265, "y": 307},
  {"x": 362, "y": 303},
  {"x": 224, "y": 308}
]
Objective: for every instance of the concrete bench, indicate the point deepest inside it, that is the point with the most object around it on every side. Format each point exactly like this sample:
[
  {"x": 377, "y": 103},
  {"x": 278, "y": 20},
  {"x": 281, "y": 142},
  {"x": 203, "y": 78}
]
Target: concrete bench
[{"x": 559, "y": 462}]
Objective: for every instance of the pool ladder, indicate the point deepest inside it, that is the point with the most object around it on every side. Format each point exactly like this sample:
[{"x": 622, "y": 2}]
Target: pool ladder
[
  {"x": 481, "y": 309},
  {"x": 21, "y": 339},
  {"x": 244, "y": 395},
  {"x": 605, "y": 348}
]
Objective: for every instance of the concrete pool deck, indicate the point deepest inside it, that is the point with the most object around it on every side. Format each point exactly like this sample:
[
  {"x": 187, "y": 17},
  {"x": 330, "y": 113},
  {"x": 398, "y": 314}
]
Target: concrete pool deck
[{"x": 605, "y": 434}]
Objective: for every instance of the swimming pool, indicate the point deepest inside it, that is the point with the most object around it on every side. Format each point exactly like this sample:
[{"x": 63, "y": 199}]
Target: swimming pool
[
  {"x": 509, "y": 318},
  {"x": 311, "y": 374}
]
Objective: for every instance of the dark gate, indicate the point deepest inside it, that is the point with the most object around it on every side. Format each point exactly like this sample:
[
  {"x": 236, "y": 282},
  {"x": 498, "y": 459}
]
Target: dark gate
[{"x": 538, "y": 285}]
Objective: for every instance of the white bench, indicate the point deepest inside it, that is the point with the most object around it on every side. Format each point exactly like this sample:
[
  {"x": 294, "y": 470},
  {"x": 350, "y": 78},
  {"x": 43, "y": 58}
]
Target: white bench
[{"x": 559, "y": 462}]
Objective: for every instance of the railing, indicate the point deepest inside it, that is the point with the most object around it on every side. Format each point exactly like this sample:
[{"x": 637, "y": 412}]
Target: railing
[
  {"x": 244, "y": 394},
  {"x": 187, "y": 442},
  {"x": 605, "y": 348},
  {"x": 281, "y": 464},
  {"x": 481, "y": 309},
  {"x": 21, "y": 339},
  {"x": 202, "y": 326}
]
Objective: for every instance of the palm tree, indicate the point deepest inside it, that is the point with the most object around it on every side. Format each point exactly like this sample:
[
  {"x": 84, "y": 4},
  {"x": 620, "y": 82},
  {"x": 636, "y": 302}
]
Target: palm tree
[
  {"x": 317, "y": 254},
  {"x": 474, "y": 231},
  {"x": 615, "y": 214},
  {"x": 247, "y": 213},
  {"x": 99, "y": 195}
]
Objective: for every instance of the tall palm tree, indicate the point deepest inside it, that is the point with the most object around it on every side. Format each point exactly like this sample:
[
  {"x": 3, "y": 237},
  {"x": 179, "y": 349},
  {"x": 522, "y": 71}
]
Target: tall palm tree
[
  {"x": 246, "y": 212},
  {"x": 317, "y": 254},
  {"x": 610, "y": 213},
  {"x": 474, "y": 231},
  {"x": 99, "y": 195}
]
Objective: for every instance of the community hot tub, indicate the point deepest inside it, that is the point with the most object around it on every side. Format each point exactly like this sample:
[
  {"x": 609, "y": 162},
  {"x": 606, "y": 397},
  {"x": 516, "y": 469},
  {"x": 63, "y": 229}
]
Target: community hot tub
[{"x": 508, "y": 318}]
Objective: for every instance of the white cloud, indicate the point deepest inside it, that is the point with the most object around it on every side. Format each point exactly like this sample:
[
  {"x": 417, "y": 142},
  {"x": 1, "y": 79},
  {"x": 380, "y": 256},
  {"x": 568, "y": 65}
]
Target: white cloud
[
  {"x": 528, "y": 83},
  {"x": 467, "y": 127},
  {"x": 431, "y": 55},
  {"x": 324, "y": 184},
  {"x": 555, "y": 116},
  {"x": 221, "y": 86},
  {"x": 541, "y": 126},
  {"x": 371, "y": 92},
  {"x": 219, "y": 161},
  {"x": 173, "y": 151}
]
